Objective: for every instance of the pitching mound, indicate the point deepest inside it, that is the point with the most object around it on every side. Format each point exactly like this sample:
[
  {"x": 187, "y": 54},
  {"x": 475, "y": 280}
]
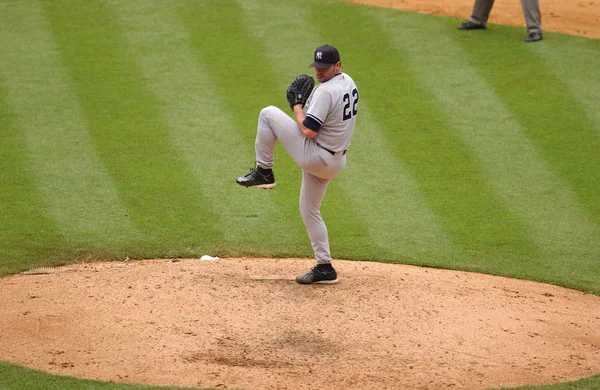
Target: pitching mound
[{"x": 245, "y": 323}]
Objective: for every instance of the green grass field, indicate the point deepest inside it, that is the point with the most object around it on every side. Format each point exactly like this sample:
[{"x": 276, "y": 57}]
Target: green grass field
[{"x": 123, "y": 125}]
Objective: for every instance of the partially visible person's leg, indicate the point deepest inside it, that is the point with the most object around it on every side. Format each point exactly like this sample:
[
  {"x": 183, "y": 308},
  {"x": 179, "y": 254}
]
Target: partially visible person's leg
[
  {"x": 481, "y": 11},
  {"x": 533, "y": 17}
]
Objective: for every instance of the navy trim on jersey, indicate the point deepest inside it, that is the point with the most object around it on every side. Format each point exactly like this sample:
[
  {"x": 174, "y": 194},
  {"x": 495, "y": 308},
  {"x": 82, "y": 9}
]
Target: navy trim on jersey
[
  {"x": 312, "y": 123},
  {"x": 314, "y": 118}
]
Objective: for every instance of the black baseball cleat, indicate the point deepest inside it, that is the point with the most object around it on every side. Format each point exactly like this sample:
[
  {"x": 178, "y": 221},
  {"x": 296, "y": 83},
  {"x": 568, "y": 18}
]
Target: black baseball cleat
[
  {"x": 318, "y": 276},
  {"x": 255, "y": 179},
  {"x": 533, "y": 37},
  {"x": 471, "y": 26}
]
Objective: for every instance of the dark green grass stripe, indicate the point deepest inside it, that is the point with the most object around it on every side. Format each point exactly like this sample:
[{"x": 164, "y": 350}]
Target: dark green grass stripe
[
  {"x": 551, "y": 116},
  {"x": 27, "y": 234},
  {"x": 132, "y": 141},
  {"x": 421, "y": 138},
  {"x": 574, "y": 61}
]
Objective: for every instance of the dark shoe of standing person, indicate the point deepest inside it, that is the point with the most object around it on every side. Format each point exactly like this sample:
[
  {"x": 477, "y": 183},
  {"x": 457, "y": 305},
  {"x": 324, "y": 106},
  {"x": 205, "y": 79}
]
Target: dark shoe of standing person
[
  {"x": 471, "y": 26},
  {"x": 533, "y": 37}
]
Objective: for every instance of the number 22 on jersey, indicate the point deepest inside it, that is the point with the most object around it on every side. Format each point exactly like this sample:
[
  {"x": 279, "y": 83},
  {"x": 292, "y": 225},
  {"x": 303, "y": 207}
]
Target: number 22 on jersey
[{"x": 350, "y": 104}]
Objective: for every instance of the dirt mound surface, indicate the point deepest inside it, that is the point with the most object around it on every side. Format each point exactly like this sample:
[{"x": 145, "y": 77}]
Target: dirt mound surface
[{"x": 245, "y": 323}]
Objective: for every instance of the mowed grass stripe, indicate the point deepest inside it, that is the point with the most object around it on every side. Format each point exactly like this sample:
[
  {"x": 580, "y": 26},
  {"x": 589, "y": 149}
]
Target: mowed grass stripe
[
  {"x": 67, "y": 172},
  {"x": 154, "y": 183},
  {"x": 198, "y": 125},
  {"x": 402, "y": 225},
  {"x": 574, "y": 61},
  {"x": 265, "y": 22},
  {"x": 549, "y": 114},
  {"x": 226, "y": 51},
  {"x": 561, "y": 228},
  {"x": 276, "y": 28},
  {"x": 28, "y": 232},
  {"x": 449, "y": 176}
]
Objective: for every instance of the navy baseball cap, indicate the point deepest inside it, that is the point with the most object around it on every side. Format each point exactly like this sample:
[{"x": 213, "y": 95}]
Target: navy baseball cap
[{"x": 325, "y": 56}]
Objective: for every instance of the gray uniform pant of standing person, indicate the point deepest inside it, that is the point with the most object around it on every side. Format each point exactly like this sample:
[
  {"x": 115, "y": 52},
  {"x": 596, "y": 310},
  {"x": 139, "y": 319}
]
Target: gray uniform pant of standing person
[
  {"x": 318, "y": 168},
  {"x": 531, "y": 11}
]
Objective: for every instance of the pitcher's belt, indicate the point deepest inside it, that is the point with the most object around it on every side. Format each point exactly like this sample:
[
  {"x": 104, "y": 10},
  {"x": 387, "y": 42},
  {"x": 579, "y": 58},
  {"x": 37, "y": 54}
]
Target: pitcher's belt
[{"x": 330, "y": 151}]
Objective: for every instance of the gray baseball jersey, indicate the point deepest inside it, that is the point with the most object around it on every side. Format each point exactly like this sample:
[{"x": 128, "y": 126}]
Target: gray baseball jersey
[{"x": 334, "y": 105}]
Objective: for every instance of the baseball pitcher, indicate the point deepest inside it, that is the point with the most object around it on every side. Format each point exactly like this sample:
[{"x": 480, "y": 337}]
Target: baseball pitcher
[{"x": 317, "y": 141}]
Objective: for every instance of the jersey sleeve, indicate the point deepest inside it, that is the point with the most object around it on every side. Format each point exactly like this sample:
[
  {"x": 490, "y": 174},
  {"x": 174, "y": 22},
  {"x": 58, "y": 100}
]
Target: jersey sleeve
[
  {"x": 319, "y": 106},
  {"x": 312, "y": 124}
]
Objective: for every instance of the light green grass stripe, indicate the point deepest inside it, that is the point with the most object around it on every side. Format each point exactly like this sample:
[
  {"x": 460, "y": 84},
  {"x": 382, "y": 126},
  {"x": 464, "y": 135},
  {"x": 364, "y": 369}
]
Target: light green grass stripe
[
  {"x": 67, "y": 170},
  {"x": 557, "y": 222},
  {"x": 200, "y": 128},
  {"x": 575, "y": 62},
  {"x": 357, "y": 197}
]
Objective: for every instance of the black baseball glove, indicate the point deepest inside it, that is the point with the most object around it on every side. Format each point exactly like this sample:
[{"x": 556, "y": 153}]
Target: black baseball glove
[{"x": 299, "y": 90}]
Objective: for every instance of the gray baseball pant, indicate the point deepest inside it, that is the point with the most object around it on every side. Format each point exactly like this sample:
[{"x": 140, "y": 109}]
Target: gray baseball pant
[
  {"x": 531, "y": 12},
  {"x": 317, "y": 164}
]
